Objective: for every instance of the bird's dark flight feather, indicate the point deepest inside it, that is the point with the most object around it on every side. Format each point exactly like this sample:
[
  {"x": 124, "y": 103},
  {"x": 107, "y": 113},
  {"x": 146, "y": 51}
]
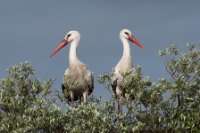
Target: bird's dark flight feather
[{"x": 114, "y": 85}]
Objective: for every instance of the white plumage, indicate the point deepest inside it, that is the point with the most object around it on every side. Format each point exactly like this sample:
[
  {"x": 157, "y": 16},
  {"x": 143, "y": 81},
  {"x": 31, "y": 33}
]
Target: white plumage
[
  {"x": 124, "y": 65},
  {"x": 78, "y": 80}
]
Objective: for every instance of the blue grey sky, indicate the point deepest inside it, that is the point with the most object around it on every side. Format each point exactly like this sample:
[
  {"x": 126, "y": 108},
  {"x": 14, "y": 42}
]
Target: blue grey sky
[{"x": 30, "y": 30}]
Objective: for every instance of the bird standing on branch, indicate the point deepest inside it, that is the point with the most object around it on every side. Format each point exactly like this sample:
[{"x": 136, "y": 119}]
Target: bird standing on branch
[
  {"x": 78, "y": 80},
  {"x": 124, "y": 65}
]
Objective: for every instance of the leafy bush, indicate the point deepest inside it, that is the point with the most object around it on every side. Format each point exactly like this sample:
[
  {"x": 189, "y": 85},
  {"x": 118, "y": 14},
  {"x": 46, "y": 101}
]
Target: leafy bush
[{"x": 171, "y": 105}]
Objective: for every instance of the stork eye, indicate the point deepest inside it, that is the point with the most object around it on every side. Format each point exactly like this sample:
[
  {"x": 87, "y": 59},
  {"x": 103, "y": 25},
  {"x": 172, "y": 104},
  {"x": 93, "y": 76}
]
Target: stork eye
[
  {"x": 68, "y": 35},
  {"x": 126, "y": 33}
]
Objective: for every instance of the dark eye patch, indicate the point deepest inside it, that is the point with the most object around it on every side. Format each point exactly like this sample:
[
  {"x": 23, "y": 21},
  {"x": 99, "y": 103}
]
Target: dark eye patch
[
  {"x": 126, "y": 33},
  {"x": 68, "y": 35}
]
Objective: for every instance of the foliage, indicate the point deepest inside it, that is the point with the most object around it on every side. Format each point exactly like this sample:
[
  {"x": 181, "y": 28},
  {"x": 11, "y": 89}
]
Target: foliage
[
  {"x": 24, "y": 102},
  {"x": 171, "y": 105}
]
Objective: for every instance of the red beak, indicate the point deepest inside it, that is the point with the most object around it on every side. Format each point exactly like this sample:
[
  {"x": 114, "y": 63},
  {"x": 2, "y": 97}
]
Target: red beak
[
  {"x": 60, "y": 46},
  {"x": 134, "y": 40}
]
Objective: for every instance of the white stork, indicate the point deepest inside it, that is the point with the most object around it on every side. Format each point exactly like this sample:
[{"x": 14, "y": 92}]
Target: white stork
[
  {"x": 124, "y": 65},
  {"x": 78, "y": 80}
]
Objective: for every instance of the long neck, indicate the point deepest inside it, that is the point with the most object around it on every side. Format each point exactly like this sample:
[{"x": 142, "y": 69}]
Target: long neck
[
  {"x": 73, "y": 59},
  {"x": 127, "y": 51},
  {"x": 125, "y": 62}
]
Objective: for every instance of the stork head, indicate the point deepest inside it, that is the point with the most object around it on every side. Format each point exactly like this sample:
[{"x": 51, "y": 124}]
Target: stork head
[
  {"x": 126, "y": 34},
  {"x": 70, "y": 36}
]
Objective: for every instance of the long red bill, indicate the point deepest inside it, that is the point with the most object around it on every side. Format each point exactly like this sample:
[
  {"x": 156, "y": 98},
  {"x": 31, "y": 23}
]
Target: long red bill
[
  {"x": 134, "y": 40},
  {"x": 60, "y": 46}
]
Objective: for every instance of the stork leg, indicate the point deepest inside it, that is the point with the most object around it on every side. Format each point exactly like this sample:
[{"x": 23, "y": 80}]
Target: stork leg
[
  {"x": 71, "y": 98},
  {"x": 119, "y": 105},
  {"x": 72, "y": 102},
  {"x": 85, "y": 94}
]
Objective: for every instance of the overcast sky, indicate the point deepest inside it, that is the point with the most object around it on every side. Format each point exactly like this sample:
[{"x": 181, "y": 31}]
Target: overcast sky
[{"x": 30, "y": 30}]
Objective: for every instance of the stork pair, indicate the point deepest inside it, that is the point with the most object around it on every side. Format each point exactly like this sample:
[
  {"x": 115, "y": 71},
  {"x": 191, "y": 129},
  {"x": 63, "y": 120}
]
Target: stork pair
[{"x": 78, "y": 79}]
